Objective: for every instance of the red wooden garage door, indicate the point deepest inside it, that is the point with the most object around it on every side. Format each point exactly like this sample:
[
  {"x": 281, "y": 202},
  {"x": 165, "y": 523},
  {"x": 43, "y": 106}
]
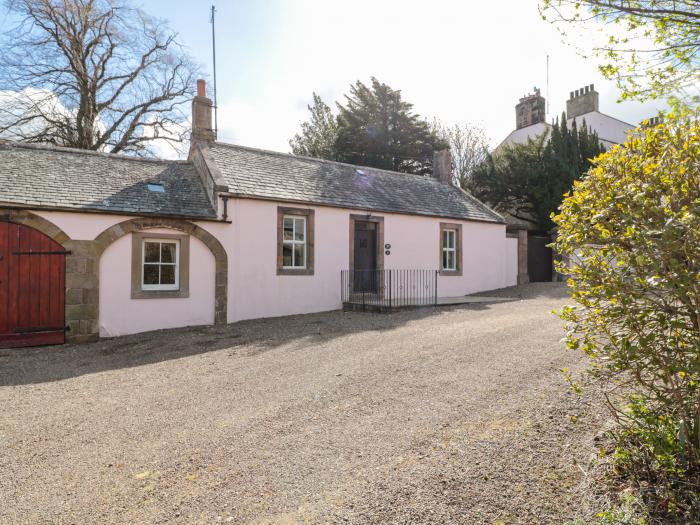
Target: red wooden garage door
[{"x": 32, "y": 287}]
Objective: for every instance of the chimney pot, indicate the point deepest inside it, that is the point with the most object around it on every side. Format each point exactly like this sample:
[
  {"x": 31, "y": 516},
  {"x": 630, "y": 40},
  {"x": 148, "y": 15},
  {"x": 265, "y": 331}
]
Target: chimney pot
[
  {"x": 201, "y": 88},
  {"x": 591, "y": 87}
]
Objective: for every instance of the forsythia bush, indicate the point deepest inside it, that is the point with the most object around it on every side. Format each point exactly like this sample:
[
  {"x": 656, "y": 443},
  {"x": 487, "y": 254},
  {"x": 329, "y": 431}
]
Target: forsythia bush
[{"x": 631, "y": 232}]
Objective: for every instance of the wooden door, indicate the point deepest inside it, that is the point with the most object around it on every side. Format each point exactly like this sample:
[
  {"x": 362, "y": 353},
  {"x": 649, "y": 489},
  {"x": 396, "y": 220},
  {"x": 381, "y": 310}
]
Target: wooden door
[
  {"x": 365, "y": 264},
  {"x": 32, "y": 287},
  {"x": 539, "y": 258}
]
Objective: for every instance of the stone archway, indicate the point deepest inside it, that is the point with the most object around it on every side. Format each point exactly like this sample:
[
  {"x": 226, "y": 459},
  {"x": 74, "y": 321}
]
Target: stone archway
[
  {"x": 37, "y": 222},
  {"x": 81, "y": 301},
  {"x": 111, "y": 234}
]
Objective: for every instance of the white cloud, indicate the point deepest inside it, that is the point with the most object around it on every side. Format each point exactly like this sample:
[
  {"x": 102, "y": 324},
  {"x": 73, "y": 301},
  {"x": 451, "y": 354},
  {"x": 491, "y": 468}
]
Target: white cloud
[{"x": 15, "y": 105}]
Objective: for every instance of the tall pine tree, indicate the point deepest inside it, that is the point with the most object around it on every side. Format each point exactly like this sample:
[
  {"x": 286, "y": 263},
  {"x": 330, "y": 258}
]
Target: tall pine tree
[
  {"x": 318, "y": 135},
  {"x": 377, "y": 128}
]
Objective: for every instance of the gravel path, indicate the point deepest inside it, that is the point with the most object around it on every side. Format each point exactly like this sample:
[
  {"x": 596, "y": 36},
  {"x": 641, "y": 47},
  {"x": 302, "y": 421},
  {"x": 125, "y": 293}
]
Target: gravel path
[{"x": 443, "y": 415}]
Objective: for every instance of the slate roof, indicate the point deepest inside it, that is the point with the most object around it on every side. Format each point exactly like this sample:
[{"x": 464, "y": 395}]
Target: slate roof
[
  {"x": 70, "y": 179},
  {"x": 278, "y": 176}
]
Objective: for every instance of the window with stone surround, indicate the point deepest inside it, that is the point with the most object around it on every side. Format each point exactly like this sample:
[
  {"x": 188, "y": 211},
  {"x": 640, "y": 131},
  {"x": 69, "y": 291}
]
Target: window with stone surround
[
  {"x": 295, "y": 241},
  {"x": 450, "y": 249},
  {"x": 159, "y": 266}
]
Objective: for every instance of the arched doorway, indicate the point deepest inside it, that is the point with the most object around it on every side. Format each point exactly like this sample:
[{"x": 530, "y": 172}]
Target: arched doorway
[{"x": 32, "y": 287}]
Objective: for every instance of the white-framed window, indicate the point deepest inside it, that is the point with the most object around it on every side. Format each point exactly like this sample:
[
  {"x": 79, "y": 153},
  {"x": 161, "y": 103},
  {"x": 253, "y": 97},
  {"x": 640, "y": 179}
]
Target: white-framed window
[
  {"x": 294, "y": 245},
  {"x": 449, "y": 250},
  {"x": 160, "y": 264}
]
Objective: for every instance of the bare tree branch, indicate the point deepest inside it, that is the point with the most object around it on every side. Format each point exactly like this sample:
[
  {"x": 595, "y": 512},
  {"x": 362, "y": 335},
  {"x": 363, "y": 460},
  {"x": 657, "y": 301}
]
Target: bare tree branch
[
  {"x": 468, "y": 146},
  {"x": 93, "y": 74}
]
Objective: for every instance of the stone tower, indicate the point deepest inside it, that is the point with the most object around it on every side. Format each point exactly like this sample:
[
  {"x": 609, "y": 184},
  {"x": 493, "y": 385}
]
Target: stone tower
[{"x": 530, "y": 110}]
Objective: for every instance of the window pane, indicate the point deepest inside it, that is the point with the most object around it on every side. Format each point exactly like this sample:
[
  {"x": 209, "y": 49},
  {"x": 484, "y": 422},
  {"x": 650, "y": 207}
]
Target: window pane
[
  {"x": 150, "y": 274},
  {"x": 299, "y": 229},
  {"x": 167, "y": 274},
  {"x": 299, "y": 255},
  {"x": 450, "y": 260},
  {"x": 151, "y": 251},
  {"x": 288, "y": 229},
  {"x": 448, "y": 239},
  {"x": 167, "y": 252},
  {"x": 286, "y": 255},
  {"x": 444, "y": 260}
]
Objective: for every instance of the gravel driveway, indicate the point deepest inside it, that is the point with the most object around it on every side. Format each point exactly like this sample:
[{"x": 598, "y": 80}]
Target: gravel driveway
[{"x": 443, "y": 415}]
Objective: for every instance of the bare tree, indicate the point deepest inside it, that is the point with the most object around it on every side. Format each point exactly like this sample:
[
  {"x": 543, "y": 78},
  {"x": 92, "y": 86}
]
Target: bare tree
[
  {"x": 92, "y": 74},
  {"x": 468, "y": 145},
  {"x": 651, "y": 48}
]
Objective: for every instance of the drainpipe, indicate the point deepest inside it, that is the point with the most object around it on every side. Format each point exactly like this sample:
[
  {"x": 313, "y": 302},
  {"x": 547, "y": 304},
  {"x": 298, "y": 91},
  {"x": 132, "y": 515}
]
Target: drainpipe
[{"x": 224, "y": 217}]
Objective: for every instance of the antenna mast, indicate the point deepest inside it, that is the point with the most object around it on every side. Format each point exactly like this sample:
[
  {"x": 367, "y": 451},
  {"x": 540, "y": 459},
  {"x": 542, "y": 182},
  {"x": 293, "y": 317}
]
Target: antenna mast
[
  {"x": 547, "y": 110},
  {"x": 213, "y": 52}
]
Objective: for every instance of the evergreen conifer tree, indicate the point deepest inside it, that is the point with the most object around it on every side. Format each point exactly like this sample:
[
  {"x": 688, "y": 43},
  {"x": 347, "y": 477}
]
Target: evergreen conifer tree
[{"x": 377, "y": 128}]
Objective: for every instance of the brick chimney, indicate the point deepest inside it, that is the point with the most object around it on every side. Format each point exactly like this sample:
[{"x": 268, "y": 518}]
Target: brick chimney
[
  {"x": 442, "y": 166},
  {"x": 530, "y": 110},
  {"x": 582, "y": 101},
  {"x": 201, "y": 115}
]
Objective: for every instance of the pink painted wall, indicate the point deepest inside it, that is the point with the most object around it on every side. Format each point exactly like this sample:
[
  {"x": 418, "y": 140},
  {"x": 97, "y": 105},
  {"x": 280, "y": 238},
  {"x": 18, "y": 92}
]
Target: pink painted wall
[
  {"x": 82, "y": 226},
  {"x": 120, "y": 314},
  {"x": 257, "y": 291}
]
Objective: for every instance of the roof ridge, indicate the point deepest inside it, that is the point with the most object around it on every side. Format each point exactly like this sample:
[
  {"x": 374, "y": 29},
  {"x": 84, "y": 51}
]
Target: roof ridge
[
  {"x": 324, "y": 161},
  {"x": 77, "y": 151}
]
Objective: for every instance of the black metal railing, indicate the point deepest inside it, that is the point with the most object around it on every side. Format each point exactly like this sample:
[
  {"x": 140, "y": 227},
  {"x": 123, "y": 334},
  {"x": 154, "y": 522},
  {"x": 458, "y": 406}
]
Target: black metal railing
[{"x": 386, "y": 289}]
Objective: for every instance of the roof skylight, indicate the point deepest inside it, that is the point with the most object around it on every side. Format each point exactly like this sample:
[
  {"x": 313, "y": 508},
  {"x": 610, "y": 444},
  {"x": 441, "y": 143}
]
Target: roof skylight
[{"x": 156, "y": 188}]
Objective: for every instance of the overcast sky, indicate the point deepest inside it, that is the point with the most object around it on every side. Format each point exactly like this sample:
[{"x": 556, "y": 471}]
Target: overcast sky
[{"x": 459, "y": 61}]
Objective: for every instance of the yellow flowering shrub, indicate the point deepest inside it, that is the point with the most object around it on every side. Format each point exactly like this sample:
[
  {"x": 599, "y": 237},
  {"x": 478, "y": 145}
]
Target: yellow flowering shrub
[{"x": 630, "y": 230}]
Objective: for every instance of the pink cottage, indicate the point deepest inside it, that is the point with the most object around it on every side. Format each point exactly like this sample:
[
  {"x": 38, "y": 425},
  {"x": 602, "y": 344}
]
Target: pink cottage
[{"x": 94, "y": 244}]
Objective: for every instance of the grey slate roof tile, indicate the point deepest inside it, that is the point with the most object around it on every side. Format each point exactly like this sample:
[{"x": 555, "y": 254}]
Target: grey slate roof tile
[
  {"x": 65, "y": 178},
  {"x": 278, "y": 176}
]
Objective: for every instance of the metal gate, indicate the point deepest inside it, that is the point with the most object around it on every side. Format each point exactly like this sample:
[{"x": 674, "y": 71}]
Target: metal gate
[{"x": 32, "y": 287}]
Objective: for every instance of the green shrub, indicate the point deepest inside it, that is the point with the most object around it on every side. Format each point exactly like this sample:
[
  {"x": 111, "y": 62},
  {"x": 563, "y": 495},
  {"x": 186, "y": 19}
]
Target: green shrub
[{"x": 631, "y": 233}]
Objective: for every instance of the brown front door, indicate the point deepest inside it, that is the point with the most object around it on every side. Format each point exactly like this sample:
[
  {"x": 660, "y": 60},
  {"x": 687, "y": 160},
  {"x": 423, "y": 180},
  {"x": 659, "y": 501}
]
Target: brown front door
[
  {"x": 365, "y": 264},
  {"x": 32, "y": 287}
]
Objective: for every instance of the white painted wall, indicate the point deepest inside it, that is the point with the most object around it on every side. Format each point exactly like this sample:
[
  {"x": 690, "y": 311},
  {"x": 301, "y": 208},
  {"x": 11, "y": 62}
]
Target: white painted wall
[{"x": 610, "y": 130}]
